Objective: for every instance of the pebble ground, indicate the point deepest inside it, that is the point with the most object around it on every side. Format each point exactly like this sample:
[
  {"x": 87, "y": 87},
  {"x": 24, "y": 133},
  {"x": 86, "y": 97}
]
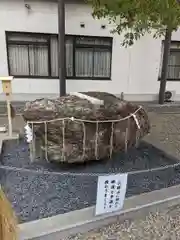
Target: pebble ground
[{"x": 158, "y": 226}]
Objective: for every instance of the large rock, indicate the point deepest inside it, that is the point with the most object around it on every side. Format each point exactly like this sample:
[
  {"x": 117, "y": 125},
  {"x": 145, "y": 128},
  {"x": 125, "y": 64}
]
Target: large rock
[{"x": 79, "y": 140}]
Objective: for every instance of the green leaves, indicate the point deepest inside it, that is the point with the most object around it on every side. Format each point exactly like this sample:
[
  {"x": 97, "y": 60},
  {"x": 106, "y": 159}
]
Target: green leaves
[{"x": 134, "y": 18}]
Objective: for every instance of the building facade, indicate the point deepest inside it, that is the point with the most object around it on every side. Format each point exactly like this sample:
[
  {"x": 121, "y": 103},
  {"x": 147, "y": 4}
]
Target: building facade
[{"x": 95, "y": 59}]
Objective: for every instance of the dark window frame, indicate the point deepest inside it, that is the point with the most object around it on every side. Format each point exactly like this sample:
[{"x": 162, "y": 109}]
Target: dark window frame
[
  {"x": 172, "y": 50},
  {"x": 75, "y": 46}
]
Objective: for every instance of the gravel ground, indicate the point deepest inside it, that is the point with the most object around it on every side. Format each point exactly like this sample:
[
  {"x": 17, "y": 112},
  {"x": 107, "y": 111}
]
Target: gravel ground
[
  {"x": 35, "y": 196},
  {"x": 157, "y": 226},
  {"x": 165, "y": 132}
]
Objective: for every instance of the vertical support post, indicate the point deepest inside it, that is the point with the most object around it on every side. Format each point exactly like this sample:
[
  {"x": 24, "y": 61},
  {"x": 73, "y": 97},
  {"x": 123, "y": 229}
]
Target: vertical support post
[
  {"x": 31, "y": 152},
  {"x": 61, "y": 47},
  {"x": 8, "y": 102},
  {"x": 7, "y": 89}
]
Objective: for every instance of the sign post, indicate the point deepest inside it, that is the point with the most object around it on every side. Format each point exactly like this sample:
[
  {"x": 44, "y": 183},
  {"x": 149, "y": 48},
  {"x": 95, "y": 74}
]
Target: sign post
[{"x": 7, "y": 89}]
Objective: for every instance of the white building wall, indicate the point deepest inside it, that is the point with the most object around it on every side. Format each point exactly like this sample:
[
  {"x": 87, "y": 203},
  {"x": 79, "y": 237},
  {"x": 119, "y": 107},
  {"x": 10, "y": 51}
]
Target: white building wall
[{"x": 134, "y": 70}]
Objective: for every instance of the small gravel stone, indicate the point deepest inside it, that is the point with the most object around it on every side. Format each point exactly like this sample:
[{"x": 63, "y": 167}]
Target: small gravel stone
[
  {"x": 36, "y": 195},
  {"x": 157, "y": 226}
]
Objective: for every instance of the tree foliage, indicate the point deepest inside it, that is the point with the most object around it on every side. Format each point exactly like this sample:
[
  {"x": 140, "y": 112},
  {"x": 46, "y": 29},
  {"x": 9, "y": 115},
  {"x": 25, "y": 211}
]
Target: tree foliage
[{"x": 135, "y": 18}]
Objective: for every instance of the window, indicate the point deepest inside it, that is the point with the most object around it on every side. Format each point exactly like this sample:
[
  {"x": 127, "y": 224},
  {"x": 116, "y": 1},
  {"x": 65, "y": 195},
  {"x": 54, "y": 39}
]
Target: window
[
  {"x": 36, "y": 55},
  {"x": 173, "y": 62}
]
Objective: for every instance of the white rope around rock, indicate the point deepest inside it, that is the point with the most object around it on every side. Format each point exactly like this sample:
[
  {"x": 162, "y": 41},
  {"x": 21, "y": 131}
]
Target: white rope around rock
[
  {"x": 31, "y": 145},
  {"x": 136, "y": 120},
  {"x": 46, "y": 142},
  {"x": 111, "y": 140},
  {"x": 63, "y": 134},
  {"x": 89, "y": 121},
  {"x": 96, "y": 140},
  {"x": 127, "y": 135},
  {"x": 84, "y": 140},
  {"x": 84, "y": 132}
]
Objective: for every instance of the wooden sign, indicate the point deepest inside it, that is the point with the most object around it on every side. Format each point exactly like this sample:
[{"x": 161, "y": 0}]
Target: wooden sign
[{"x": 6, "y": 84}]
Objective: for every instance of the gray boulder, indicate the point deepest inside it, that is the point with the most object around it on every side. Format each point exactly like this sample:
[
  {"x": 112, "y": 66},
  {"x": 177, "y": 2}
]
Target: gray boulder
[{"x": 82, "y": 136}]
